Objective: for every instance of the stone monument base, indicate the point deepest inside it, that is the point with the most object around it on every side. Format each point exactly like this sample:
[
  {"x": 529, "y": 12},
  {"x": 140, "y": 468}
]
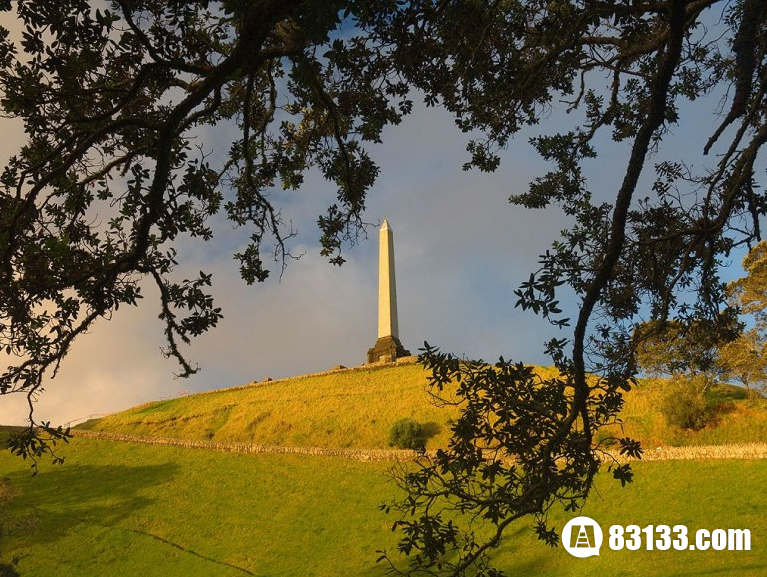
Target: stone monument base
[{"x": 387, "y": 349}]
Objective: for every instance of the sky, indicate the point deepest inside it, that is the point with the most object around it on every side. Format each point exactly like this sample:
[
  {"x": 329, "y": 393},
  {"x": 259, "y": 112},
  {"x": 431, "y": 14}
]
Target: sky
[{"x": 460, "y": 250}]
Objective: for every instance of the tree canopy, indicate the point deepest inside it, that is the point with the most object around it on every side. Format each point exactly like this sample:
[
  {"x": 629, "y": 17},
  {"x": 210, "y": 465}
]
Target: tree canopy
[
  {"x": 110, "y": 98},
  {"x": 674, "y": 348},
  {"x": 653, "y": 251},
  {"x": 110, "y": 175},
  {"x": 749, "y": 293},
  {"x": 745, "y": 358}
]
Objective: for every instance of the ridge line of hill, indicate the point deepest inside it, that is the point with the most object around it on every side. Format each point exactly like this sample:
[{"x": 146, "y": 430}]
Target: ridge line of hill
[{"x": 411, "y": 360}]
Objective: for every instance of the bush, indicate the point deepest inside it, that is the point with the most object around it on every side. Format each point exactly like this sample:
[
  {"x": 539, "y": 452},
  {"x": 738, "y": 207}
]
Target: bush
[
  {"x": 406, "y": 434},
  {"x": 685, "y": 407}
]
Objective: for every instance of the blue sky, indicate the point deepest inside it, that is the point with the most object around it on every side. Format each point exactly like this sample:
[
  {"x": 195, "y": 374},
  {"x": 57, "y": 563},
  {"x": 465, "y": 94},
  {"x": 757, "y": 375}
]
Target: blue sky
[{"x": 461, "y": 249}]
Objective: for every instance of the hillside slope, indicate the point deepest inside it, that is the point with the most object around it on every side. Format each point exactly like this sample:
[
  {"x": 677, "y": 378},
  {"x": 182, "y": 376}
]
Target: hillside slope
[
  {"x": 356, "y": 409},
  {"x": 341, "y": 409},
  {"x": 732, "y": 417}
]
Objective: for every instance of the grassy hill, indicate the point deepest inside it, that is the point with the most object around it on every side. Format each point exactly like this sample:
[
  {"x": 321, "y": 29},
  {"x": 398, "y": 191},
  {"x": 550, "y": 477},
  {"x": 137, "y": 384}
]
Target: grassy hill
[
  {"x": 123, "y": 509},
  {"x": 357, "y": 409},
  {"x": 342, "y": 409},
  {"x": 733, "y": 418}
]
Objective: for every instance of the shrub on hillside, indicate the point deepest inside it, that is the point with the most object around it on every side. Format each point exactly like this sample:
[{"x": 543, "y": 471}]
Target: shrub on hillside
[
  {"x": 685, "y": 406},
  {"x": 406, "y": 434}
]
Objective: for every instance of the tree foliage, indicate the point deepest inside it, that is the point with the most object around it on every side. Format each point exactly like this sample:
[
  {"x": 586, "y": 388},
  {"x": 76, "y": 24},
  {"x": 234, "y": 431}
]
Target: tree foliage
[
  {"x": 749, "y": 293},
  {"x": 406, "y": 434},
  {"x": 111, "y": 98},
  {"x": 675, "y": 348},
  {"x": 651, "y": 249},
  {"x": 508, "y": 458},
  {"x": 110, "y": 176},
  {"x": 745, "y": 358},
  {"x": 684, "y": 405}
]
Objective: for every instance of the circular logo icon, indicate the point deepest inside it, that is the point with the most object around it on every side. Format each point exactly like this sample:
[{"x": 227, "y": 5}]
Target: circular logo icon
[{"x": 582, "y": 537}]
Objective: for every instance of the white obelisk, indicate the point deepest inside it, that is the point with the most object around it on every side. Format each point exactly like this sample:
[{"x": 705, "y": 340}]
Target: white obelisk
[
  {"x": 388, "y": 347},
  {"x": 387, "y": 285}
]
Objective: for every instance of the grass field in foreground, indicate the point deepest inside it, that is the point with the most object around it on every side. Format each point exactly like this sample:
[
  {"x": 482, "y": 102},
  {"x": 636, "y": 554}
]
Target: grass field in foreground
[
  {"x": 357, "y": 409},
  {"x": 119, "y": 509}
]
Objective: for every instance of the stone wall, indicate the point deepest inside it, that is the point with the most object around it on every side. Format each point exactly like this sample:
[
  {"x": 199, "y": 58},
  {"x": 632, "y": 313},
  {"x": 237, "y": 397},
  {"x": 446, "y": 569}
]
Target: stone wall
[
  {"x": 744, "y": 451},
  {"x": 355, "y": 454}
]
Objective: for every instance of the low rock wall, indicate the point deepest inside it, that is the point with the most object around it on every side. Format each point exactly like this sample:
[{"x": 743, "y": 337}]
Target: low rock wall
[
  {"x": 744, "y": 451},
  {"x": 355, "y": 454}
]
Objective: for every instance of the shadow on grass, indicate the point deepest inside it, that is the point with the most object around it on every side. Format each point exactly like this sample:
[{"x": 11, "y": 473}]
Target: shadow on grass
[
  {"x": 64, "y": 497},
  {"x": 715, "y": 413},
  {"x": 8, "y": 571},
  {"x": 379, "y": 570},
  {"x": 429, "y": 430},
  {"x": 720, "y": 393},
  {"x": 519, "y": 559},
  {"x": 522, "y": 563}
]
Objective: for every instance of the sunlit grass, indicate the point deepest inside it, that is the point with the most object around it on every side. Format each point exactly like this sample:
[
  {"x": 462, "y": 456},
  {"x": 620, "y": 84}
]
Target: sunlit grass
[
  {"x": 357, "y": 409},
  {"x": 119, "y": 509},
  {"x": 733, "y": 417},
  {"x": 352, "y": 409}
]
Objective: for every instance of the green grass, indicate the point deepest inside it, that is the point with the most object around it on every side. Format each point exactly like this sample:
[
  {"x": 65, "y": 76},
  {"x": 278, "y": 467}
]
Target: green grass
[
  {"x": 734, "y": 418},
  {"x": 127, "y": 509},
  {"x": 353, "y": 409},
  {"x": 119, "y": 509},
  {"x": 115, "y": 509},
  {"x": 358, "y": 409}
]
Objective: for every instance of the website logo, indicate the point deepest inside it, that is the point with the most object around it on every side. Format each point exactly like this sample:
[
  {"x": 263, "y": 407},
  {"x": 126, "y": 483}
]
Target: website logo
[{"x": 582, "y": 537}]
